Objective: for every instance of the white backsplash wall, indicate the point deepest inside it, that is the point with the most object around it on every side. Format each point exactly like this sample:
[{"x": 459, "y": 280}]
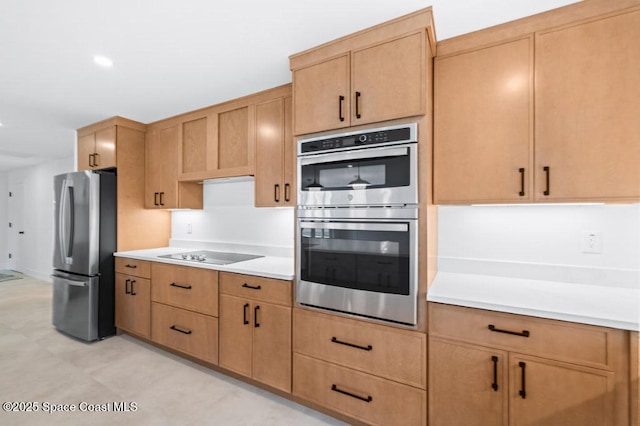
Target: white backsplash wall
[
  {"x": 229, "y": 217},
  {"x": 542, "y": 242}
]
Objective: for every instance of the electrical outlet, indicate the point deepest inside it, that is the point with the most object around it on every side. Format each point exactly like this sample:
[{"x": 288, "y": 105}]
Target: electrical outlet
[
  {"x": 189, "y": 228},
  {"x": 592, "y": 242}
]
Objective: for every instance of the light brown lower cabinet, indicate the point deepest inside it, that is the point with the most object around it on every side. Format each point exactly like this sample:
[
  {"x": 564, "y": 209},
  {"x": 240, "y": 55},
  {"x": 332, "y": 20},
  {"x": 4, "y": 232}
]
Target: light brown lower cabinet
[
  {"x": 186, "y": 331},
  {"x": 255, "y": 328},
  {"x": 489, "y": 369},
  {"x": 370, "y": 372},
  {"x": 362, "y": 396},
  {"x": 133, "y": 296}
]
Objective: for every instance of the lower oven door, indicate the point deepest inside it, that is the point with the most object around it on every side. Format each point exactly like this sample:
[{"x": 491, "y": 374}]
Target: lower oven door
[{"x": 360, "y": 267}]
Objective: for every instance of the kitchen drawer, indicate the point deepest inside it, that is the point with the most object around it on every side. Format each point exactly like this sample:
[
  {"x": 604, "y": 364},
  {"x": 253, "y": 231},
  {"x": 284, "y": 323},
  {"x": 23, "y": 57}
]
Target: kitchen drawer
[
  {"x": 257, "y": 288},
  {"x": 189, "y": 332},
  {"x": 137, "y": 268},
  {"x": 365, "y": 397},
  {"x": 392, "y": 353},
  {"x": 566, "y": 341},
  {"x": 185, "y": 287}
]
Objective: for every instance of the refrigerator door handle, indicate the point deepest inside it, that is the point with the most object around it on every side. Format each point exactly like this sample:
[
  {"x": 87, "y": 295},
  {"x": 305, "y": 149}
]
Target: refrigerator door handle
[
  {"x": 70, "y": 282},
  {"x": 67, "y": 235}
]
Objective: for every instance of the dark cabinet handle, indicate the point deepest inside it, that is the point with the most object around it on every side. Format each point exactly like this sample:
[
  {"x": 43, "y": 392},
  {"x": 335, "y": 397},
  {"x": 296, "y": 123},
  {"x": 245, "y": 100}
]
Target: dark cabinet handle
[
  {"x": 245, "y": 314},
  {"x": 133, "y": 292},
  {"x": 494, "y": 385},
  {"x": 547, "y": 171},
  {"x": 176, "y": 328},
  {"x": 276, "y": 192},
  {"x": 340, "y": 102},
  {"x": 186, "y": 287},
  {"x": 521, "y": 170},
  {"x": 523, "y": 333},
  {"x": 126, "y": 287},
  {"x": 364, "y": 348},
  {"x": 287, "y": 192},
  {"x": 95, "y": 159},
  {"x": 91, "y": 160},
  {"x": 21, "y": 232},
  {"x": 245, "y": 285},
  {"x": 358, "y": 94},
  {"x": 130, "y": 266},
  {"x": 162, "y": 198},
  {"x": 155, "y": 198},
  {"x": 523, "y": 391},
  {"x": 352, "y": 395},
  {"x": 256, "y": 324}
]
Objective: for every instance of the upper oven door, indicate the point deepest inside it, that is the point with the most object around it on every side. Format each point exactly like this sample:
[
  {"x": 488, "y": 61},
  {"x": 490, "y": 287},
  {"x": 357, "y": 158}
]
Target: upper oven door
[{"x": 385, "y": 176}]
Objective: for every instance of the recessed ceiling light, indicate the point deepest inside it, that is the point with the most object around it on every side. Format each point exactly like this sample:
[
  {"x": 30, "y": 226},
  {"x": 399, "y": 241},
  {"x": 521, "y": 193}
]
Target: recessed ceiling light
[{"x": 103, "y": 61}]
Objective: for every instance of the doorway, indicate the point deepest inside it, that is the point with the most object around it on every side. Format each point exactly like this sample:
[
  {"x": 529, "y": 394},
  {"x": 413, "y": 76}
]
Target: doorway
[{"x": 15, "y": 235}]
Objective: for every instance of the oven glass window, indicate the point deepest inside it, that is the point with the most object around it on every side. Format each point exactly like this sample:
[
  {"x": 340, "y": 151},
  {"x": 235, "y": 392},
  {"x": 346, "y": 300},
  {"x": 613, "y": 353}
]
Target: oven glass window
[
  {"x": 373, "y": 260},
  {"x": 383, "y": 172}
]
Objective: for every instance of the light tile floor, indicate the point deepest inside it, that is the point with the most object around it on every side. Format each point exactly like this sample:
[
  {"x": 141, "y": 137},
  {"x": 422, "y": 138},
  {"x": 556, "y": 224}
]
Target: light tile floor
[{"x": 40, "y": 364}]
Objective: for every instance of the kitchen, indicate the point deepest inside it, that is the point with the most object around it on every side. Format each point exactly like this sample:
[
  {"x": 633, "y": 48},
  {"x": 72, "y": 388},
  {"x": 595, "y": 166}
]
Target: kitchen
[{"x": 490, "y": 240}]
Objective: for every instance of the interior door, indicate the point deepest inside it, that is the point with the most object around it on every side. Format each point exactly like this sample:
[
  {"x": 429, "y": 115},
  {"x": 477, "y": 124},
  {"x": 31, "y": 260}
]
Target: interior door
[{"x": 16, "y": 234}]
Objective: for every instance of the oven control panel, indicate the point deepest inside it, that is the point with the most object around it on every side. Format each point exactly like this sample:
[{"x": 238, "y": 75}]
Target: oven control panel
[{"x": 354, "y": 140}]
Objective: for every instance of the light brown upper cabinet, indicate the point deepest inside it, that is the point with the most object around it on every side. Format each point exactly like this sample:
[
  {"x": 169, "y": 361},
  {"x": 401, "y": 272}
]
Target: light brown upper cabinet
[
  {"x": 138, "y": 228},
  {"x": 484, "y": 124},
  {"x": 569, "y": 77},
  {"x": 162, "y": 189},
  {"x": 374, "y": 75},
  {"x": 97, "y": 149},
  {"x": 219, "y": 141},
  {"x": 587, "y": 111},
  {"x": 275, "y": 153}
]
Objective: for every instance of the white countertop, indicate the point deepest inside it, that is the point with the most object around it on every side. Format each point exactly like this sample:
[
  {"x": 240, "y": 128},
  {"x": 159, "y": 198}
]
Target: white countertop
[
  {"x": 608, "y": 306},
  {"x": 268, "y": 266}
]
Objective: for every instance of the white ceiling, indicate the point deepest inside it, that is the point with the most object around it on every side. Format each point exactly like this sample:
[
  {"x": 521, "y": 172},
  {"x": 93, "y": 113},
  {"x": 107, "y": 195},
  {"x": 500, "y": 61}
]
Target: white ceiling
[{"x": 174, "y": 56}]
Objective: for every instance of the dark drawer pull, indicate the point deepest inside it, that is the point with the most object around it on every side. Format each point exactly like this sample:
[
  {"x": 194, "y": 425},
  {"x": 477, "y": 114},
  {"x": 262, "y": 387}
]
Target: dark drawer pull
[
  {"x": 186, "y": 287},
  {"x": 340, "y": 101},
  {"x": 173, "y": 327},
  {"x": 547, "y": 172},
  {"x": 126, "y": 287},
  {"x": 364, "y": 348},
  {"x": 352, "y": 395},
  {"x": 521, "y": 193},
  {"x": 130, "y": 266},
  {"x": 494, "y": 385},
  {"x": 133, "y": 292},
  {"x": 523, "y": 391},
  {"x": 245, "y": 314},
  {"x": 523, "y": 333},
  {"x": 245, "y": 285},
  {"x": 256, "y": 324}
]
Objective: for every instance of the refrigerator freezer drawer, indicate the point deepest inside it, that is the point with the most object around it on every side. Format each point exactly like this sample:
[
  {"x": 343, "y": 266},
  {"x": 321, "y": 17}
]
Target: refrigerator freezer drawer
[{"x": 75, "y": 305}]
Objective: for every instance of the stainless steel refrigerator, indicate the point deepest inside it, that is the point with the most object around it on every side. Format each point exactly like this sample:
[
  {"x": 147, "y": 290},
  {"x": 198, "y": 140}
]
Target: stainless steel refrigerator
[{"x": 84, "y": 242}]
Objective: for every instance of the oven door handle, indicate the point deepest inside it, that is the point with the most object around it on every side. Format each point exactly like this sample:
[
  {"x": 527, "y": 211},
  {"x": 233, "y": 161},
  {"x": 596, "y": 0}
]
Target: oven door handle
[
  {"x": 361, "y": 154},
  {"x": 358, "y": 226}
]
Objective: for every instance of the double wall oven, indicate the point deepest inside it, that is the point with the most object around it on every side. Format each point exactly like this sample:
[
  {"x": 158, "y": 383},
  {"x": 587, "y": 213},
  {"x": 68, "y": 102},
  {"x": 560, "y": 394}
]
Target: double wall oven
[{"x": 357, "y": 223}]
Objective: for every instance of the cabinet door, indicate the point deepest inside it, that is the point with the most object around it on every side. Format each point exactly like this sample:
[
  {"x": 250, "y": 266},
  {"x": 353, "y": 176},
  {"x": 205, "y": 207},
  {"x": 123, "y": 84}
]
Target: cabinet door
[
  {"x": 160, "y": 172},
  {"x": 234, "y": 151},
  {"x": 269, "y": 187},
  {"x": 133, "y": 304},
  {"x": 105, "y": 154},
  {"x": 587, "y": 109},
  {"x": 550, "y": 393},
  {"x": 235, "y": 334},
  {"x": 272, "y": 345},
  {"x": 321, "y": 96},
  {"x": 194, "y": 145},
  {"x": 289, "y": 167},
  {"x": 86, "y": 148},
  {"x": 389, "y": 80},
  {"x": 467, "y": 385},
  {"x": 483, "y": 131}
]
